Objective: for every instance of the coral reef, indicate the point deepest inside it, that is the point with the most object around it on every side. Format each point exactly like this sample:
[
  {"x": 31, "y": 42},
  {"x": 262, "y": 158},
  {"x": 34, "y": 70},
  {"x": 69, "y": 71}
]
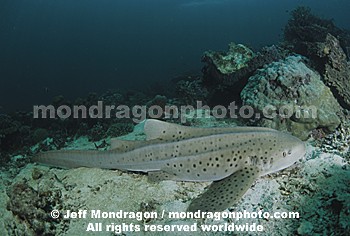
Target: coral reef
[
  {"x": 225, "y": 88},
  {"x": 189, "y": 92},
  {"x": 336, "y": 71},
  {"x": 338, "y": 142},
  {"x": 31, "y": 206},
  {"x": 304, "y": 29},
  {"x": 97, "y": 131},
  {"x": 112, "y": 97},
  {"x": 8, "y": 127},
  {"x": 15, "y": 136},
  {"x": 318, "y": 191},
  {"x": 326, "y": 45},
  {"x": 290, "y": 86},
  {"x": 158, "y": 100},
  {"x": 20, "y": 130},
  {"x": 40, "y": 134},
  {"x": 234, "y": 59},
  {"x": 220, "y": 65},
  {"x": 265, "y": 56},
  {"x": 119, "y": 129},
  {"x": 103, "y": 130}
]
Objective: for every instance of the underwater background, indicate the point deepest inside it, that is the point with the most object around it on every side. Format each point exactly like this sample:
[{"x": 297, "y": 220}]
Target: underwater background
[{"x": 72, "y": 48}]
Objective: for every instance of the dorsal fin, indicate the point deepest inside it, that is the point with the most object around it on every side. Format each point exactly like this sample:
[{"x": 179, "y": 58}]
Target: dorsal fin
[{"x": 156, "y": 129}]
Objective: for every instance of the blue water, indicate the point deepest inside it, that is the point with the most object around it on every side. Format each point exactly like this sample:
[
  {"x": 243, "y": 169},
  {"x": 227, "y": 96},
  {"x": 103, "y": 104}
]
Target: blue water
[{"x": 73, "y": 47}]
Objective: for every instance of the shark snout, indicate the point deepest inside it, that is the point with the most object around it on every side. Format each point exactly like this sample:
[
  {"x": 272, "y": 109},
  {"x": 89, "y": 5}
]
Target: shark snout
[
  {"x": 297, "y": 148},
  {"x": 295, "y": 153},
  {"x": 300, "y": 149}
]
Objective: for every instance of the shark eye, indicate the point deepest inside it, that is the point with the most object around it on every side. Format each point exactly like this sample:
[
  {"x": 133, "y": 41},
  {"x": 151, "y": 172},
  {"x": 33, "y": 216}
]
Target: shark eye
[{"x": 284, "y": 154}]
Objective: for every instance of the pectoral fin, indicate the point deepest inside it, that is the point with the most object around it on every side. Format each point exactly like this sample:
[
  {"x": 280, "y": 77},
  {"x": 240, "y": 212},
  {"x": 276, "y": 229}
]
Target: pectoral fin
[{"x": 224, "y": 193}]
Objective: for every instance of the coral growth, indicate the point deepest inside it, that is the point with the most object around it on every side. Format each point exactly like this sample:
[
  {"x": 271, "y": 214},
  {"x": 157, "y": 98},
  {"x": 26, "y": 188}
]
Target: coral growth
[
  {"x": 339, "y": 141},
  {"x": 220, "y": 65},
  {"x": 119, "y": 129},
  {"x": 225, "y": 88},
  {"x": 336, "y": 70},
  {"x": 31, "y": 207},
  {"x": 263, "y": 57},
  {"x": 234, "y": 59},
  {"x": 8, "y": 128},
  {"x": 304, "y": 29},
  {"x": 326, "y": 45},
  {"x": 318, "y": 192},
  {"x": 189, "y": 92},
  {"x": 293, "y": 89}
]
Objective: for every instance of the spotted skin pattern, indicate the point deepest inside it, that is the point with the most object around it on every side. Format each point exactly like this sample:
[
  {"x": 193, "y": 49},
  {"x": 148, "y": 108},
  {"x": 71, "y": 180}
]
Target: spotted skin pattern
[{"x": 233, "y": 158}]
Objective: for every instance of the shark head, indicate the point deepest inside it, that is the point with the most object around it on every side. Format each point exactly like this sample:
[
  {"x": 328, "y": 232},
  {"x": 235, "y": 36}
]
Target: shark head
[{"x": 290, "y": 150}]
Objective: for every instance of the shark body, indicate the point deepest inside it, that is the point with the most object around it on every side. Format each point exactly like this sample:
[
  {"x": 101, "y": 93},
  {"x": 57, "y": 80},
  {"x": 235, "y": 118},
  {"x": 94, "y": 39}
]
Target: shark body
[{"x": 233, "y": 158}]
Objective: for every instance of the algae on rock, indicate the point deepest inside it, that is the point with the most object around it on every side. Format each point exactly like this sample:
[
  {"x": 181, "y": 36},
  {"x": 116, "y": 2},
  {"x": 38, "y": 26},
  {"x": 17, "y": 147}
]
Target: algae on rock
[
  {"x": 228, "y": 62},
  {"x": 295, "y": 94},
  {"x": 336, "y": 71}
]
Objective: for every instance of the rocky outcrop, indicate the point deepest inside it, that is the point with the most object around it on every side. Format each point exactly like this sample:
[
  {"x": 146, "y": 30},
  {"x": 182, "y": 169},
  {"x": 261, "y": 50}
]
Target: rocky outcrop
[
  {"x": 223, "y": 83},
  {"x": 290, "y": 96},
  {"x": 236, "y": 58},
  {"x": 336, "y": 72},
  {"x": 221, "y": 65},
  {"x": 326, "y": 45},
  {"x": 304, "y": 29}
]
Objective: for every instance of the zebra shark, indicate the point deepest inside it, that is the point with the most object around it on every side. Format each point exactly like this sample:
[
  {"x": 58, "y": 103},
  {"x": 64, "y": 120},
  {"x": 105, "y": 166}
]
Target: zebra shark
[{"x": 233, "y": 158}]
